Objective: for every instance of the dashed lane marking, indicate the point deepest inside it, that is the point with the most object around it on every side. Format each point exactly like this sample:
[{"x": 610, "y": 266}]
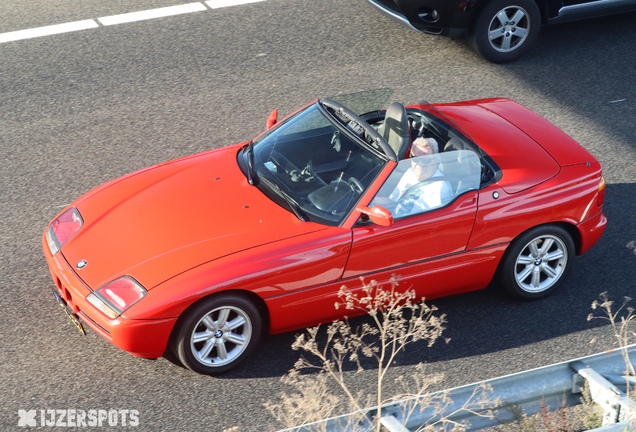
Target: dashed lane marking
[
  {"x": 47, "y": 30},
  {"x": 119, "y": 19},
  {"x": 152, "y": 13},
  {"x": 214, "y": 4}
]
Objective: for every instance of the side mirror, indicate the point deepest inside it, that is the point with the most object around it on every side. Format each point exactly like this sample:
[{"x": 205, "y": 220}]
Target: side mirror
[
  {"x": 378, "y": 215},
  {"x": 272, "y": 119}
]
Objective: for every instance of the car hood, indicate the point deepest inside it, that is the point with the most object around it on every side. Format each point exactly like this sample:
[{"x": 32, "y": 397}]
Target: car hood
[{"x": 167, "y": 219}]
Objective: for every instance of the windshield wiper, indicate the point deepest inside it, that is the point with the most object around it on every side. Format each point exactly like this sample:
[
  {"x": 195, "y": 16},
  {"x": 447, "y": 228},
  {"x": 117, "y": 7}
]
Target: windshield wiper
[
  {"x": 290, "y": 201},
  {"x": 251, "y": 173}
]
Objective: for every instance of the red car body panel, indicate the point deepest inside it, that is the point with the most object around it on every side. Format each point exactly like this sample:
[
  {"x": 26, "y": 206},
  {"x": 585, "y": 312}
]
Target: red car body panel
[
  {"x": 166, "y": 221},
  {"x": 270, "y": 270},
  {"x": 143, "y": 338},
  {"x": 412, "y": 240},
  {"x": 430, "y": 278},
  {"x": 571, "y": 200},
  {"x": 193, "y": 227},
  {"x": 591, "y": 231},
  {"x": 563, "y": 149},
  {"x": 523, "y": 162}
]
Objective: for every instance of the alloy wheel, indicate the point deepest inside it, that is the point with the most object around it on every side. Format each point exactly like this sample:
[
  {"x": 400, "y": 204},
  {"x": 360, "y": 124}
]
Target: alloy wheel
[
  {"x": 221, "y": 336},
  {"x": 509, "y": 29},
  {"x": 541, "y": 263}
]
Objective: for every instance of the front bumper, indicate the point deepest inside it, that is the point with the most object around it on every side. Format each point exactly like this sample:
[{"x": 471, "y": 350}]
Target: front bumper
[
  {"x": 391, "y": 10},
  {"x": 143, "y": 338}
]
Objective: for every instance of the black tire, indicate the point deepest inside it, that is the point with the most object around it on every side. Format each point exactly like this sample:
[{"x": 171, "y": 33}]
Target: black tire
[
  {"x": 229, "y": 327},
  {"x": 497, "y": 50},
  {"x": 537, "y": 262}
]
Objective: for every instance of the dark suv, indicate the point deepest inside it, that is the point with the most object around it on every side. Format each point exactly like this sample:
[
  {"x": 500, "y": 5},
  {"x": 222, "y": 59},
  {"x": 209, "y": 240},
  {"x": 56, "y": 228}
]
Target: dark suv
[{"x": 499, "y": 30}]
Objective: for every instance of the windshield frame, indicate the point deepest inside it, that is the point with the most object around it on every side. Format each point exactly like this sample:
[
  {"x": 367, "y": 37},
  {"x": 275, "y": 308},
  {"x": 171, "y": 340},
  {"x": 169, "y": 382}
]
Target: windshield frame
[{"x": 388, "y": 154}]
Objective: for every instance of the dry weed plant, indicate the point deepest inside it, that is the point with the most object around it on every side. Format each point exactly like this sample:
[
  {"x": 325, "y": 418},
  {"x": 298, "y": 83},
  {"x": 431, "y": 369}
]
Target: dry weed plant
[
  {"x": 520, "y": 422},
  {"x": 578, "y": 418},
  {"x": 589, "y": 412},
  {"x": 396, "y": 322},
  {"x": 556, "y": 421},
  {"x": 623, "y": 322}
]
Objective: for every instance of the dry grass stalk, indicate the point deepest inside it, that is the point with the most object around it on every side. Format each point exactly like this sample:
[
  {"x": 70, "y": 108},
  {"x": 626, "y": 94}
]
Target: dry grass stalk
[
  {"x": 545, "y": 420},
  {"x": 590, "y": 413},
  {"x": 396, "y": 322},
  {"x": 520, "y": 421},
  {"x": 556, "y": 421},
  {"x": 623, "y": 323}
]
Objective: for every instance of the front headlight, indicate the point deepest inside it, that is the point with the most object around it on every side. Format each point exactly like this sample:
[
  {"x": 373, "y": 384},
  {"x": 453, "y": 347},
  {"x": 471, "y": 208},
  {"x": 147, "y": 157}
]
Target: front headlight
[
  {"x": 117, "y": 296},
  {"x": 63, "y": 229}
]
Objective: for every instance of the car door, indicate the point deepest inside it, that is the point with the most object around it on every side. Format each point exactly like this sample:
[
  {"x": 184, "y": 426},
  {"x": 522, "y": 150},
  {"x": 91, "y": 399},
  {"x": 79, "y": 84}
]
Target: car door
[{"x": 423, "y": 246}]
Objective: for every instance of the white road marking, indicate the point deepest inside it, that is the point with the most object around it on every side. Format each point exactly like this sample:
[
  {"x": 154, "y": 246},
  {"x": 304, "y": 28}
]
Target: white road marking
[
  {"x": 215, "y": 4},
  {"x": 152, "y": 13},
  {"x": 619, "y": 100},
  {"x": 119, "y": 19},
  {"x": 47, "y": 30}
]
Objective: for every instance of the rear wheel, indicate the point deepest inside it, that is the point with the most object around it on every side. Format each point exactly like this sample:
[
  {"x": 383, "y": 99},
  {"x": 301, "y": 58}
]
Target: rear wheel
[
  {"x": 505, "y": 29},
  {"x": 217, "y": 334},
  {"x": 537, "y": 262}
]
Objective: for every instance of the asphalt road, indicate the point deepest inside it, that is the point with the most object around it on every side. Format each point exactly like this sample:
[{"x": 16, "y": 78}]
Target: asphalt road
[{"x": 81, "y": 108}]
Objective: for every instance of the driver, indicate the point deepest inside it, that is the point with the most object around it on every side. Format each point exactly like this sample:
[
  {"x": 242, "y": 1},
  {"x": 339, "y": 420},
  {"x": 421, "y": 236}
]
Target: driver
[{"x": 413, "y": 199}]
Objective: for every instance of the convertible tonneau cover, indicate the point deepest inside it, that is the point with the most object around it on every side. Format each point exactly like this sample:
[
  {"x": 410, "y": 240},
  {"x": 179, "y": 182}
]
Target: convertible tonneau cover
[
  {"x": 523, "y": 161},
  {"x": 562, "y": 147}
]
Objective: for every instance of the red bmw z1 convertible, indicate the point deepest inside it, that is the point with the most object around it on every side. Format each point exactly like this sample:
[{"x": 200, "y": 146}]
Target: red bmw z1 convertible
[{"x": 204, "y": 253}]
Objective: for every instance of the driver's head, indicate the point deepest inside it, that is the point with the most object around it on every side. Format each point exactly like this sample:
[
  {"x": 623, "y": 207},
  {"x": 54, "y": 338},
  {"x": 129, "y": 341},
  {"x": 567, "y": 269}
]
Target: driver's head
[{"x": 424, "y": 168}]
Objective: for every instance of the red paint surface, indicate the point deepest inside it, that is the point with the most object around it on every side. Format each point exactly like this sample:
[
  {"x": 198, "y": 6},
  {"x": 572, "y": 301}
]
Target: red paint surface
[
  {"x": 523, "y": 162},
  {"x": 175, "y": 217},
  {"x": 563, "y": 149}
]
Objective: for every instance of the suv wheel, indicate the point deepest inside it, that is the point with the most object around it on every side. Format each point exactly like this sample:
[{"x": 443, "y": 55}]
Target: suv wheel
[{"x": 505, "y": 29}]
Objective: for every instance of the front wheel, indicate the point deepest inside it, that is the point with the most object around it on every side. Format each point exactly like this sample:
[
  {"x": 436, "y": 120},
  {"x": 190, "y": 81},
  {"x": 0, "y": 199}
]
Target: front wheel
[
  {"x": 537, "y": 262},
  {"x": 217, "y": 334},
  {"x": 505, "y": 30}
]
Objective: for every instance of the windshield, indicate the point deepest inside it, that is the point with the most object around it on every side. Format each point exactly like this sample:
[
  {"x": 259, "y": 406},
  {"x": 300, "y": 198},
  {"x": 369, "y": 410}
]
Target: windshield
[
  {"x": 364, "y": 102},
  {"x": 313, "y": 164}
]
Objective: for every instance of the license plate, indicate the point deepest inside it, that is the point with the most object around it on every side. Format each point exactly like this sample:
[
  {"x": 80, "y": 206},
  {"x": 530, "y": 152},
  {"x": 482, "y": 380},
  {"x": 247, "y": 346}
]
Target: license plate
[{"x": 74, "y": 318}]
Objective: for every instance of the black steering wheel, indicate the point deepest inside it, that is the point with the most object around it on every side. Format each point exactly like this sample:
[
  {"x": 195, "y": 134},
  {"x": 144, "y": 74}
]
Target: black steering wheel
[
  {"x": 355, "y": 185},
  {"x": 417, "y": 122}
]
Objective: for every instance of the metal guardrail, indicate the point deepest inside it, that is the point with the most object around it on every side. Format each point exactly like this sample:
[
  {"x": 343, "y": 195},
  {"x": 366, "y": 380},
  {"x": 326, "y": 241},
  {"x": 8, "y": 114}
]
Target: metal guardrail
[{"x": 552, "y": 385}]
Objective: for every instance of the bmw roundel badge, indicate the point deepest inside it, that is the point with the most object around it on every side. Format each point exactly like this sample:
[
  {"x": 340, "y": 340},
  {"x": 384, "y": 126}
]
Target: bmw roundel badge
[{"x": 81, "y": 264}]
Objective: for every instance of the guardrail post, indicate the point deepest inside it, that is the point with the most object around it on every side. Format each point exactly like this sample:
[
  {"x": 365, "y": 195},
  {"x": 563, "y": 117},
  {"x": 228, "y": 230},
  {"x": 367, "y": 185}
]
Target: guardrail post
[
  {"x": 616, "y": 405},
  {"x": 392, "y": 424}
]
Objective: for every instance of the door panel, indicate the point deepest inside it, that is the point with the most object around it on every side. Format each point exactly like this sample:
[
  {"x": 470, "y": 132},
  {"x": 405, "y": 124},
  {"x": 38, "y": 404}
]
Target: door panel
[
  {"x": 412, "y": 240},
  {"x": 316, "y": 305}
]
